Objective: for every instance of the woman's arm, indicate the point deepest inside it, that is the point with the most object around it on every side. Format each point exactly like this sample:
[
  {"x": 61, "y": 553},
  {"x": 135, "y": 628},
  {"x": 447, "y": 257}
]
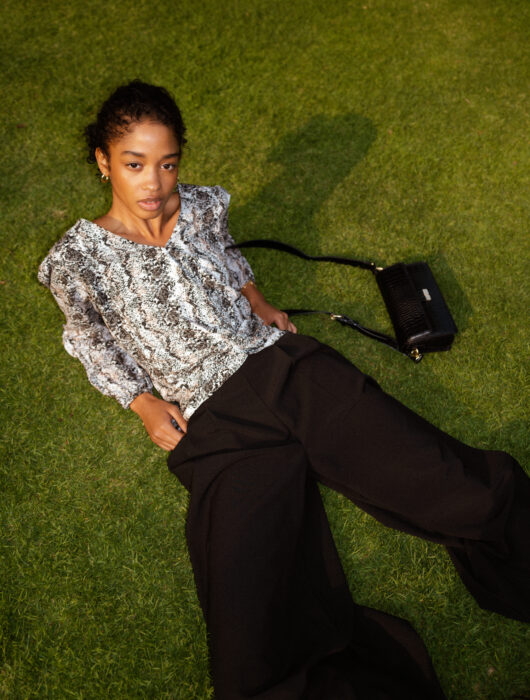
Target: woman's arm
[
  {"x": 241, "y": 274},
  {"x": 261, "y": 307},
  {"x": 109, "y": 368}
]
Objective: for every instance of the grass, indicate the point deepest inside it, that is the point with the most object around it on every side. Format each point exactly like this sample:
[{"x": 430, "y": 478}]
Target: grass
[{"x": 391, "y": 129}]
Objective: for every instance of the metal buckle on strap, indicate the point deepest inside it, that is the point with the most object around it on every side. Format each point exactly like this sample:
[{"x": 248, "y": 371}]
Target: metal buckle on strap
[{"x": 416, "y": 355}]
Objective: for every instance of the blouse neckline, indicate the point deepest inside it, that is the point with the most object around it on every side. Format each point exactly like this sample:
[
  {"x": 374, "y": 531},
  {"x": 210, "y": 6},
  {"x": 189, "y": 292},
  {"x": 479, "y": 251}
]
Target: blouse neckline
[{"x": 116, "y": 236}]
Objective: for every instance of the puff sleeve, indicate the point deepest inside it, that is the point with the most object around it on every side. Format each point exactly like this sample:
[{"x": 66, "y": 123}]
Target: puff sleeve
[
  {"x": 237, "y": 265},
  {"x": 85, "y": 336}
]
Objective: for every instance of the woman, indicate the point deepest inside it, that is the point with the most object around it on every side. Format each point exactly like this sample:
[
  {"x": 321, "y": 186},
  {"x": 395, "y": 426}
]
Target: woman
[{"x": 254, "y": 415}]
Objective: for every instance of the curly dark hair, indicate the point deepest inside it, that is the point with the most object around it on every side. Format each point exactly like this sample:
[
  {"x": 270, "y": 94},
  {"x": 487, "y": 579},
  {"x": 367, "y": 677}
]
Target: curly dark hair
[{"x": 127, "y": 105}]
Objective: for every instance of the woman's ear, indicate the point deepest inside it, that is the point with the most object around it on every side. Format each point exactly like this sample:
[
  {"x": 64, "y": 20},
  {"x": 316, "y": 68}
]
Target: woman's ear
[{"x": 102, "y": 161}]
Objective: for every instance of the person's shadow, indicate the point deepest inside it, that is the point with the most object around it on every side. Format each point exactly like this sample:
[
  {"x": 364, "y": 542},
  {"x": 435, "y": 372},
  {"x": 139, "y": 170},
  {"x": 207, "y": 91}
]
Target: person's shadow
[{"x": 314, "y": 160}]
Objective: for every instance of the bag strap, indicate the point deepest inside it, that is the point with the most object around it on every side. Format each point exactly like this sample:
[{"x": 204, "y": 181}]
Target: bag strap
[
  {"x": 285, "y": 247},
  {"x": 347, "y": 321},
  {"x": 341, "y": 318}
]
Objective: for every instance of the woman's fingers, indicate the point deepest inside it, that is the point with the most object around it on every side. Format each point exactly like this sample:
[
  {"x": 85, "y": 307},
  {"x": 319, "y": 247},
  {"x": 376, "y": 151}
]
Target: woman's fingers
[
  {"x": 284, "y": 323},
  {"x": 157, "y": 416},
  {"x": 169, "y": 434},
  {"x": 281, "y": 320},
  {"x": 167, "y": 437},
  {"x": 169, "y": 444},
  {"x": 175, "y": 413},
  {"x": 269, "y": 314}
]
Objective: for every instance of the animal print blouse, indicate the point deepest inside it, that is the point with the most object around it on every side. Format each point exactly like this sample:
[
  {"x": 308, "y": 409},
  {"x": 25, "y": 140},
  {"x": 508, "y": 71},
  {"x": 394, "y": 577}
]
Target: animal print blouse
[{"x": 172, "y": 316}]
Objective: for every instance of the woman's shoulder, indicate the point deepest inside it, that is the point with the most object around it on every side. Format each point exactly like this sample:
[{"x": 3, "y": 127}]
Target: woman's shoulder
[
  {"x": 204, "y": 196},
  {"x": 68, "y": 250}
]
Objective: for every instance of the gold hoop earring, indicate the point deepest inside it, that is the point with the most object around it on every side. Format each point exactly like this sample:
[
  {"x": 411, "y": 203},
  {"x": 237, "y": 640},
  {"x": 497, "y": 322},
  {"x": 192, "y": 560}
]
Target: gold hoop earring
[{"x": 104, "y": 178}]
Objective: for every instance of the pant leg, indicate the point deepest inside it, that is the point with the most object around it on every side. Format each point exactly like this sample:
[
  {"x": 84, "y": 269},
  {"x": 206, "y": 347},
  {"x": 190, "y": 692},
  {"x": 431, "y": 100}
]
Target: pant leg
[
  {"x": 407, "y": 473},
  {"x": 280, "y": 618}
]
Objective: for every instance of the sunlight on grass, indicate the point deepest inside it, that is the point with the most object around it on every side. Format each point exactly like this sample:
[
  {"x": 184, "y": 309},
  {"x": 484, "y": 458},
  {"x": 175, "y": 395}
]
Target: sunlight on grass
[{"x": 392, "y": 130}]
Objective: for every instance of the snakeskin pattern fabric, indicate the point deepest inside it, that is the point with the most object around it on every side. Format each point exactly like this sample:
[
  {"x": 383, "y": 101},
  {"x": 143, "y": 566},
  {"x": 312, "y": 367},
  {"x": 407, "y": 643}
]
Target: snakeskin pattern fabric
[{"x": 171, "y": 316}]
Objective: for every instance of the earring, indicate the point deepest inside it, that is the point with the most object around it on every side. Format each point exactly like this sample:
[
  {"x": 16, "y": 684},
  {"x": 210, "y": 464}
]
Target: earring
[{"x": 104, "y": 178}]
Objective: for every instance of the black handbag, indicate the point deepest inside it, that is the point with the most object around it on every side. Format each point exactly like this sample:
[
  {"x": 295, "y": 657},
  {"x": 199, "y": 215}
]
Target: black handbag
[{"x": 421, "y": 319}]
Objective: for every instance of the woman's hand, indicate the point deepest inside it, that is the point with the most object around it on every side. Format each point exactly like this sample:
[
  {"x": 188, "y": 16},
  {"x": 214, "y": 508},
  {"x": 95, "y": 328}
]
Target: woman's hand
[
  {"x": 156, "y": 416},
  {"x": 268, "y": 313}
]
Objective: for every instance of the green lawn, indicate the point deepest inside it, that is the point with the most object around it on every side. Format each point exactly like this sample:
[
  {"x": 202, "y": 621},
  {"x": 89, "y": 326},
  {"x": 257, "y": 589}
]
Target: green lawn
[{"x": 391, "y": 129}]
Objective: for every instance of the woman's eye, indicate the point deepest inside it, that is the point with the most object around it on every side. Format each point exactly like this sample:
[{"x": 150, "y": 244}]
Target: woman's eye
[
  {"x": 133, "y": 166},
  {"x": 169, "y": 166}
]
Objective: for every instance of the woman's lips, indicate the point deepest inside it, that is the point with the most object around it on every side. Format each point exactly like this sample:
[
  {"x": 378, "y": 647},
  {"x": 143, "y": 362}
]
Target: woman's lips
[{"x": 150, "y": 204}]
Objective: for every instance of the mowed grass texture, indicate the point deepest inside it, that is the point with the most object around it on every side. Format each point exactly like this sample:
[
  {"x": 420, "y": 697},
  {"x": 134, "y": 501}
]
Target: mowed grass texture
[{"x": 386, "y": 129}]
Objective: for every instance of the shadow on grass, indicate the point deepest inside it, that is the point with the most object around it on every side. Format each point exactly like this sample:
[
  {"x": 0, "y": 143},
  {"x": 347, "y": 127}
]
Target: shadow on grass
[{"x": 315, "y": 160}]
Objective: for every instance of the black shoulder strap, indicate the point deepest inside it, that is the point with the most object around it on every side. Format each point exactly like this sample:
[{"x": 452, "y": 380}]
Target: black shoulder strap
[
  {"x": 285, "y": 247},
  {"x": 341, "y": 318},
  {"x": 347, "y": 321}
]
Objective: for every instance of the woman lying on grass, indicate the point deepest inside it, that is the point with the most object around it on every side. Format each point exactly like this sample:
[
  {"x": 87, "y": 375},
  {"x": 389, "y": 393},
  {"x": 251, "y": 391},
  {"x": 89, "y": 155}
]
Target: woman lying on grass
[{"x": 254, "y": 415}]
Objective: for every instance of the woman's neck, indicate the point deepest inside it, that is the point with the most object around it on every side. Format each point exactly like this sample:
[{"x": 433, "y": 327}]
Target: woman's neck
[{"x": 156, "y": 231}]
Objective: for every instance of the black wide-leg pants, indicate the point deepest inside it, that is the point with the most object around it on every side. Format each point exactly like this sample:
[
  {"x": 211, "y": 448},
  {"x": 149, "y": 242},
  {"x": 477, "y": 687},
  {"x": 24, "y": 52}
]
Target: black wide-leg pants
[{"x": 280, "y": 618}]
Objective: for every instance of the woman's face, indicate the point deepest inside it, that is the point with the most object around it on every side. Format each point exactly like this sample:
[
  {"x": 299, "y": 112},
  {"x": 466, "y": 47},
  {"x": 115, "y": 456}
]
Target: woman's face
[{"x": 143, "y": 168}]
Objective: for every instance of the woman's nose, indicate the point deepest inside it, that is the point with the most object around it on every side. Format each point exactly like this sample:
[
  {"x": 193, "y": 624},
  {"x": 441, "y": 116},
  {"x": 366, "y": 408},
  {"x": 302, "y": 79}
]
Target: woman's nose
[{"x": 152, "y": 180}]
